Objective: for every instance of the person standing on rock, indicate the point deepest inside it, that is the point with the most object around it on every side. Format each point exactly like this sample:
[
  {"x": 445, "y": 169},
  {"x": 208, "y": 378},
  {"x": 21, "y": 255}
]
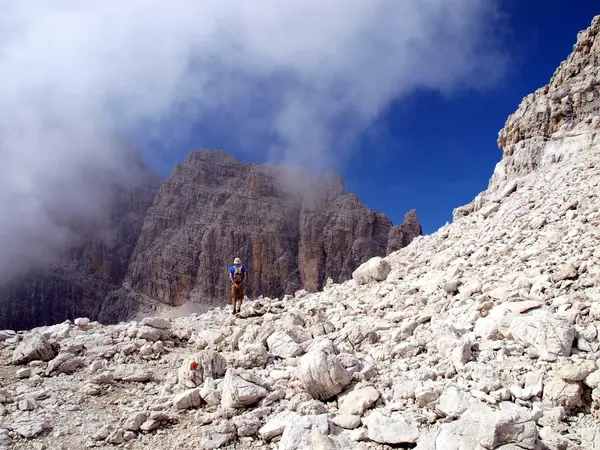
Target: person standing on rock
[{"x": 238, "y": 275}]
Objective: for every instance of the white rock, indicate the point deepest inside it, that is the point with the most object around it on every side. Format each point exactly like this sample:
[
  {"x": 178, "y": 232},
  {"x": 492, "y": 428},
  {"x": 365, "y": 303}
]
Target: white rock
[
  {"x": 347, "y": 421},
  {"x": 207, "y": 364},
  {"x": 209, "y": 392},
  {"x": 275, "y": 426},
  {"x": 453, "y": 402},
  {"x": 322, "y": 375},
  {"x": 188, "y": 399},
  {"x": 490, "y": 209},
  {"x": 281, "y": 344},
  {"x": 148, "y": 333},
  {"x": 558, "y": 392},
  {"x": 406, "y": 389},
  {"x": 393, "y": 429},
  {"x": 64, "y": 363},
  {"x": 252, "y": 355},
  {"x": 576, "y": 371},
  {"x": 24, "y": 372},
  {"x": 307, "y": 433},
  {"x": 156, "y": 322},
  {"x": 133, "y": 373},
  {"x": 135, "y": 421},
  {"x": 375, "y": 269},
  {"x": 482, "y": 427},
  {"x": 81, "y": 322},
  {"x": 551, "y": 337},
  {"x": 593, "y": 379},
  {"x": 238, "y": 392},
  {"x": 357, "y": 401}
]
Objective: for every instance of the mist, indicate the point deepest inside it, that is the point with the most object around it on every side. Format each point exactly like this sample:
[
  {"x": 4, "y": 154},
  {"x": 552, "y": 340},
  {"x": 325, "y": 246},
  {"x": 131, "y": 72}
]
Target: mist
[{"x": 77, "y": 77}]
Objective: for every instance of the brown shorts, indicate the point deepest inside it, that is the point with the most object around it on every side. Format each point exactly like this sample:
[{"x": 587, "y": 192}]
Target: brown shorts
[{"x": 237, "y": 291}]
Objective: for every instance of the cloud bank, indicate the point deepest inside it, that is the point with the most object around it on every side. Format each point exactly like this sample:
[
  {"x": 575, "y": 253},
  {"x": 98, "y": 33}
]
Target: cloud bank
[{"x": 74, "y": 76}]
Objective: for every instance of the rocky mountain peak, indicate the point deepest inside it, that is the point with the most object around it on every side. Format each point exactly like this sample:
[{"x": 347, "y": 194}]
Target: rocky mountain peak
[
  {"x": 571, "y": 98},
  {"x": 534, "y": 136},
  {"x": 292, "y": 229}
]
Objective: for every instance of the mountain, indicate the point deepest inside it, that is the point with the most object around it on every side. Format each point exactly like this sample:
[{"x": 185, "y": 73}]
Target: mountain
[
  {"x": 171, "y": 241},
  {"x": 85, "y": 277},
  {"x": 482, "y": 335},
  {"x": 291, "y": 230}
]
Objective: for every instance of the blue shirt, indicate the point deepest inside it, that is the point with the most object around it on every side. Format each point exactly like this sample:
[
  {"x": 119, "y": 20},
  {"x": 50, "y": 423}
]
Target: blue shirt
[{"x": 232, "y": 271}]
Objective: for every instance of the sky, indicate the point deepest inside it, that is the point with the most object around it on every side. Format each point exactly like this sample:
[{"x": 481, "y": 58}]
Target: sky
[
  {"x": 404, "y": 98},
  {"x": 432, "y": 151}
]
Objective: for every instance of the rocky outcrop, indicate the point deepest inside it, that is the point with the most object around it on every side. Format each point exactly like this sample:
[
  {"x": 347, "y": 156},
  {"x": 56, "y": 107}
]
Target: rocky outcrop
[
  {"x": 292, "y": 231},
  {"x": 402, "y": 235},
  {"x": 551, "y": 125},
  {"x": 85, "y": 278}
]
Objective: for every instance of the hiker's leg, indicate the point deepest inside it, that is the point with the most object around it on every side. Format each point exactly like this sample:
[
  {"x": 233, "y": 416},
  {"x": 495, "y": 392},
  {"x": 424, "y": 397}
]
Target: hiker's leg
[
  {"x": 233, "y": 297},
  {"x": 241, "y": 295}
]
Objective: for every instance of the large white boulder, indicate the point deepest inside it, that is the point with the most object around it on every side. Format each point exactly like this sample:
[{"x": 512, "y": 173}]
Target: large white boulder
[
  {"x": 375, "y": 269},
  {"x": 322, "y": 375}
]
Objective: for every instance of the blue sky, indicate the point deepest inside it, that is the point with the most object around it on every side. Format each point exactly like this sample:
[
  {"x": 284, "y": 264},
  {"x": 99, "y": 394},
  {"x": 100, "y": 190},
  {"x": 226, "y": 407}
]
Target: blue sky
[{"x": 425, "y": 151}]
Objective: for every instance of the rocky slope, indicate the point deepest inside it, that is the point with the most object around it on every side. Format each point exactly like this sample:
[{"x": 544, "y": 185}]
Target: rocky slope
[
  {"x": 291, "y": 230},
  {"x": 484, "y": 335}
]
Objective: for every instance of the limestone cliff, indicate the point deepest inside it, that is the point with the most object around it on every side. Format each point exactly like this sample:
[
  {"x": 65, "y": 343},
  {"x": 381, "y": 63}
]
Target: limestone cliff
[
  {"x": 290, "y": 234},
  {"x": 551, "y": 124},
  {"x": 85, "y": 278}
]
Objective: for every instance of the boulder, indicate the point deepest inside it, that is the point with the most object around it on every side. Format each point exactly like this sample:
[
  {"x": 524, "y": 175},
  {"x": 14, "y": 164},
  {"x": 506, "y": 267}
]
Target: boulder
[
  {"x": 375, "y": 269},
  {"x": 390, "y": 429},
  {"x": 281, "y": 344},
  {"x": 322, "y": 375},
  {"x": 240, "y": 393},
  {"x": 207, "y": 364},
  {"x": 36, "y": 347},
  {"x": 550, "y": 336},
  {"x": 357, "y": 401}
]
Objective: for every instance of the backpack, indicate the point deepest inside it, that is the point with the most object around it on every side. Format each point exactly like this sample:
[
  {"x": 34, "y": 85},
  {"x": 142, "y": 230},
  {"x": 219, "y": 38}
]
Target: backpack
[{"x": 238, "y": 276}]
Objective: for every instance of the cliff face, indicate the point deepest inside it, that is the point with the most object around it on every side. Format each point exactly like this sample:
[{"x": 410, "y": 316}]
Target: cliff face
[
  {"x": 402, "y": 235},
  {"x": 289, "y": 235},
  {"x": 176, "y": 240},
  {"x": 551, "y": 125},
  {"x": 84, "y": 279}
]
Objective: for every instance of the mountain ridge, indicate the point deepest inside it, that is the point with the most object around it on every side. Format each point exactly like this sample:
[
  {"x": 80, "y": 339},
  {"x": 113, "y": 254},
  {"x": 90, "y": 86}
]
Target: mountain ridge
[{"x": 103, "y": 273}]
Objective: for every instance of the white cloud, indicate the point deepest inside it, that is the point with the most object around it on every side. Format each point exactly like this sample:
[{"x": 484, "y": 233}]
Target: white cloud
[{"x": 73, "y": 75}]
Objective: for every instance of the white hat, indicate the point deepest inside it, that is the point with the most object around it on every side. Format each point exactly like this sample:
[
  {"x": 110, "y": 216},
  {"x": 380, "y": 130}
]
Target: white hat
[{"x": 237, "y": 261}]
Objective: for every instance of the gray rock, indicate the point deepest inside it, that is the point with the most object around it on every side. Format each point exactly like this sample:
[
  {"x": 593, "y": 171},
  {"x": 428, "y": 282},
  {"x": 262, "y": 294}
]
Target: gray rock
[
  {"x": 64, "y": 363},
  {"x": 35, "y": 347},
  {"x": 133, "y": 373}
]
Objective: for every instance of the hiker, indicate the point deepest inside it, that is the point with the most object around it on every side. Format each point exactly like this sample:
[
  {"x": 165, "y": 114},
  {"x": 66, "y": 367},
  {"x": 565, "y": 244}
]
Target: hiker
[{"x": 238, "y": 275}]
